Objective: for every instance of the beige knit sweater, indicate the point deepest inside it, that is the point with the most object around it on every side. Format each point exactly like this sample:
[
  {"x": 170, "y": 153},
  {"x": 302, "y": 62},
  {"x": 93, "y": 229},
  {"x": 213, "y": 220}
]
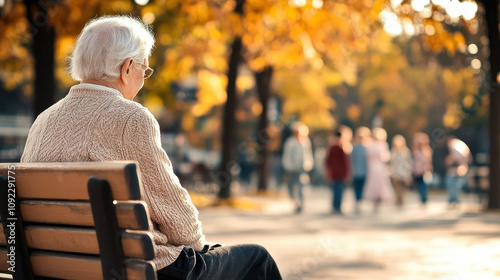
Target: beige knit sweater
[{"x": 95, "y": 123}]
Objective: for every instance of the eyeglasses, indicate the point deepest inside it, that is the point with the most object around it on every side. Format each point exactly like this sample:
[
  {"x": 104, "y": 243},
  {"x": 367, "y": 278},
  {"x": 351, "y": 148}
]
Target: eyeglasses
[{"x": 148, "y": 72}]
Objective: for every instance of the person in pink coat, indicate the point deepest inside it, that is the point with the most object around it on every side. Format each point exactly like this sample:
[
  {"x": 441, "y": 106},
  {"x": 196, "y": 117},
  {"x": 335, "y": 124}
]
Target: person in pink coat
[{"x": 378, "y": 185}]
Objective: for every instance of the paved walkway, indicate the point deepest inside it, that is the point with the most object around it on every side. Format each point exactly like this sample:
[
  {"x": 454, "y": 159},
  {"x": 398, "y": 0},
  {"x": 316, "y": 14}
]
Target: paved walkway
[{"x": 413, "y": 243}]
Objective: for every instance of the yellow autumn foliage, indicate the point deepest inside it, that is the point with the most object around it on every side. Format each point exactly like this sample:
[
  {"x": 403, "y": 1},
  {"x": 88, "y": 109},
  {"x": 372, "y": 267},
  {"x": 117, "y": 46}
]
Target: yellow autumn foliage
[
  {"x": 211, "y": 92},
  {"x": 305, "y": 96},
  {"x": 313, "y": 50},
  {"x": 410, "y": 94}
]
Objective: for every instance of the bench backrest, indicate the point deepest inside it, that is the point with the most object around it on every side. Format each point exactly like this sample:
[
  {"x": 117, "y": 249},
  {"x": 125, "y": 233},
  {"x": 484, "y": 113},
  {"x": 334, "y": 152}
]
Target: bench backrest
[{"x": 53, "y": 210}]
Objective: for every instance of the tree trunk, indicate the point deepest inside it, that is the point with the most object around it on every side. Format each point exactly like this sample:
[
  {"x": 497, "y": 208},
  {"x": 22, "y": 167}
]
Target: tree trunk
[
  {"x": 263, "y": 80},
  {"x": 224, "y": 177},
  {"x": 491, "y": 14},
  {"x": 494, "y": 137},
  {"x": 44, "y": 36}
]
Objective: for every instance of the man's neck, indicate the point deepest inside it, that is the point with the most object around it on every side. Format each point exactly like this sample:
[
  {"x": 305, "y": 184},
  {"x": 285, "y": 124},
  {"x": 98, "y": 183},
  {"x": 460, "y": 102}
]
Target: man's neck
[{"x": 114, "y": 85}]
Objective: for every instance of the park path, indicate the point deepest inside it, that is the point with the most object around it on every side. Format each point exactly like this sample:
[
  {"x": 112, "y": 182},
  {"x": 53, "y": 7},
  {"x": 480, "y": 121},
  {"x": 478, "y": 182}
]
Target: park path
[{"x": 414, "y": 243}]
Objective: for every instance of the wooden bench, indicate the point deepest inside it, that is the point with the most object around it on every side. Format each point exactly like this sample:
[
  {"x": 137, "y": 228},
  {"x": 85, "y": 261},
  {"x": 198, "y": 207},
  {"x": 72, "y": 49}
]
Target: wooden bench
[{"x": 74, "y": 221}]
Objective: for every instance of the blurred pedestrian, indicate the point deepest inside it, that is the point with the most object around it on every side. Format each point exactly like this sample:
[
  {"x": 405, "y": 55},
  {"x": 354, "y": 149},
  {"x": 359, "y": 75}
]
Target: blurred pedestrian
[
  {"x": 422, "y": 164},
  {"x": 319, "y": 154},
  {"x": 297, "y": 161},
  {"x": 457, "y": 161},
  {"x": 439, "y": 154},
  {"x": 401, "y": 167},
  {"x": 279, "y": 171},
  {"x": 337, "y": 170},
  {"x": 378, "y": 185},
  {"x": 359, "y": 163},
  {"x": 247, "y": 166}
]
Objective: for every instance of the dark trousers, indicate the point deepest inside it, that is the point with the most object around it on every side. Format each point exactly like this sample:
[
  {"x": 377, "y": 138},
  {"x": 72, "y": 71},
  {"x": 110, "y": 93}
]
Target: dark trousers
[
  {"x": 422, "y": 188},
  {"x": 358, "y": 184},
  {"x": 337, "y": 190},
  {"x": 238, "y": 262}
]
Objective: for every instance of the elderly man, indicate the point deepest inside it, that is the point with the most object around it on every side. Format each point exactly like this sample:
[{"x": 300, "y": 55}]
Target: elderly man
[{"x": 99, "y": 121}]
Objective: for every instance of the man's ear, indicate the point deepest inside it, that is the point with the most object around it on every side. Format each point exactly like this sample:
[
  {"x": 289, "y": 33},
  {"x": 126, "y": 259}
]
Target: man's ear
[{"x": 126, "y": 70}]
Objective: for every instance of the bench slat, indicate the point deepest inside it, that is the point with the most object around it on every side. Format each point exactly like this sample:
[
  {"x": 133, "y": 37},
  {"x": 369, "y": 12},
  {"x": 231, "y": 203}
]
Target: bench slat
[
  {"x": 4, "y": 265},
  {"x": 130, "y": 214},
  {"x": 138, "y": 245},
  {"x": 135, "y": 244},
  {"x": 133, "y": 215},
  {"x": 137, "y": 270},
  {"x": 68, "y": 181},
  {"x": 71, "y": 266},
  {"x": 66, "y": 266}
]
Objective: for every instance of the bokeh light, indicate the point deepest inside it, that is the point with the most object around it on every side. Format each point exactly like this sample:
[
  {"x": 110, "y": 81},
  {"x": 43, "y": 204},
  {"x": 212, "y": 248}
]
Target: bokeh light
[
  {"x": 393, "y": 28},
  {"x": 472, "y": 49},
  {"x": 469, "y": 10},
  {"x": 149, "y": 18},
  {"x": 318, "y": 63},
  {"x": 427, "y": 12},
  {"x": 476, "y": 63},
  {"x": 141, "y": 2},
  {"x": 408, "y": 27},
  {"x": 396, "y": 3},
  {"x": 419, "y": 5},
  {"x": 453, "y": 8},
  {"x": 430, "y": 30},
  {"x": 317, "y": 4},
  {"x": 451, "y": 11},
  {"x": 297, "y": 3},
  {"x": 391, "y": 23}
]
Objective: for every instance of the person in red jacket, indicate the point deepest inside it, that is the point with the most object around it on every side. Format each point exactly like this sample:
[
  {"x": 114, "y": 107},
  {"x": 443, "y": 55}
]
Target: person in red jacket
[{"x": 337, "y": 169}]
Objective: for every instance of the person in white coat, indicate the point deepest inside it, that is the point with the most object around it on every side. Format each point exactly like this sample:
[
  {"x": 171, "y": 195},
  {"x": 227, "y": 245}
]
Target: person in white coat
[{"x": 297, "y": 160}]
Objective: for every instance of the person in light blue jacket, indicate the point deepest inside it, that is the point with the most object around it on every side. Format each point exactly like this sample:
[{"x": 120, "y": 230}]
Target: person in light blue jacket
[{"x": 359, "y": 163}]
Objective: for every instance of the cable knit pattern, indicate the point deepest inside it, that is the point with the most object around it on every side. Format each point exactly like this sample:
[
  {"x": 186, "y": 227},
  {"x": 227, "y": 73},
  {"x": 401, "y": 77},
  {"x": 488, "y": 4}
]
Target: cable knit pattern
[{"x": 98, "y": 125}]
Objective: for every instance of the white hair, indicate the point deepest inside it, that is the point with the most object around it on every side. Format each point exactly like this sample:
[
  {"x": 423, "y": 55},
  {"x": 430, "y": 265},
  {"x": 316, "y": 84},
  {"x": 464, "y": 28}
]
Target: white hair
[{"x": 105, "y": 43}]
